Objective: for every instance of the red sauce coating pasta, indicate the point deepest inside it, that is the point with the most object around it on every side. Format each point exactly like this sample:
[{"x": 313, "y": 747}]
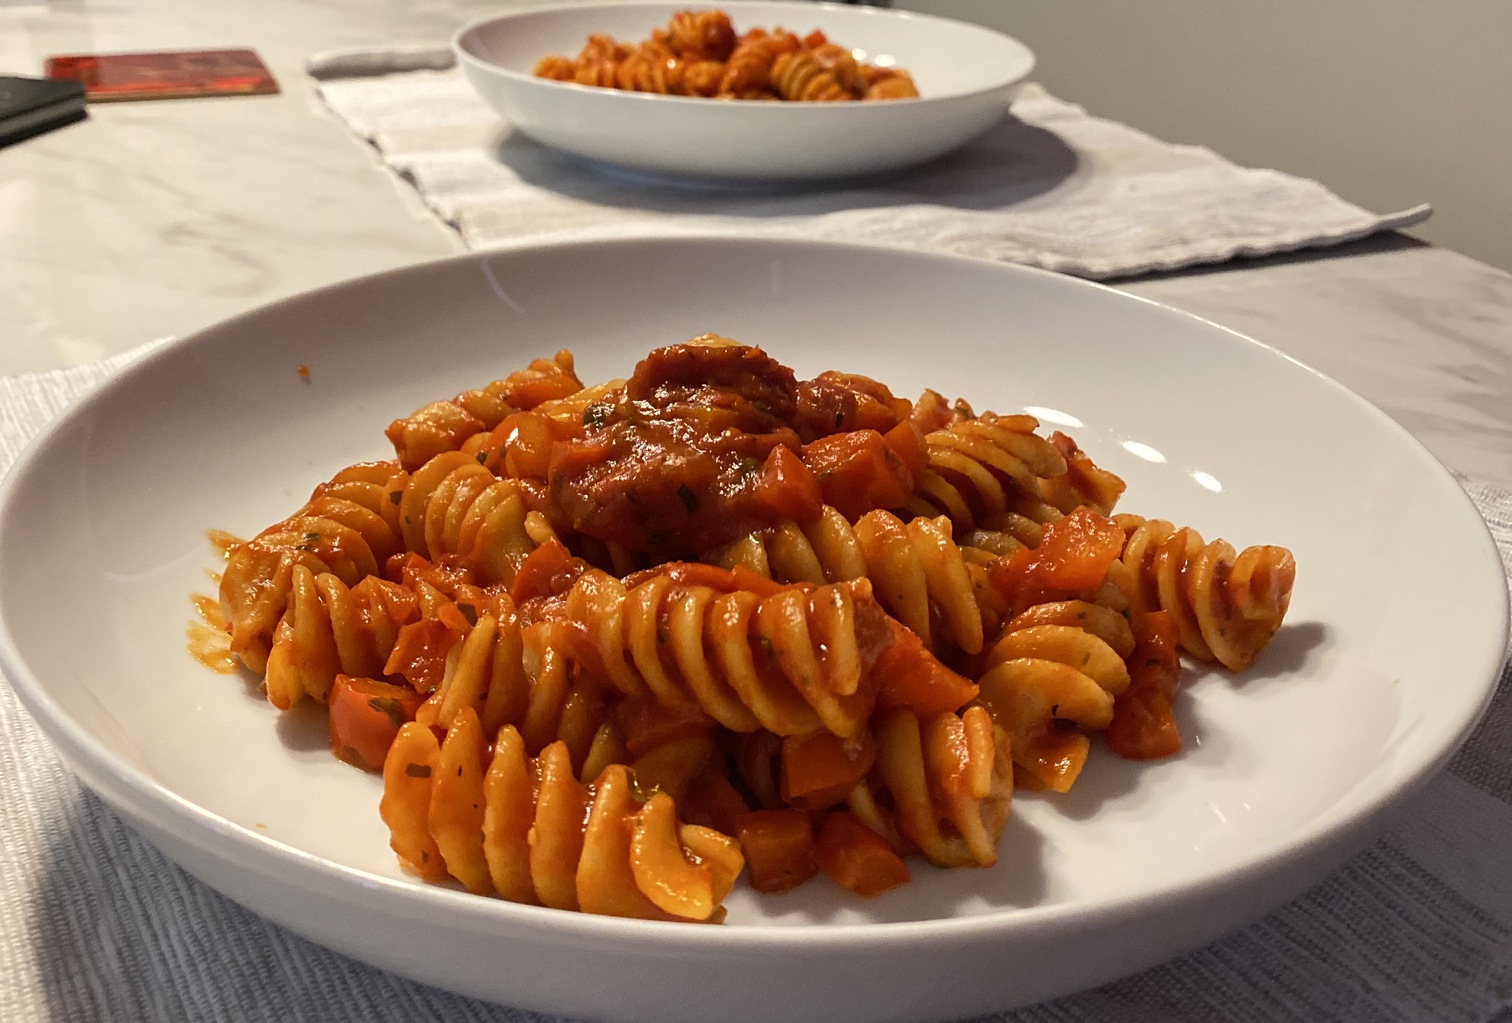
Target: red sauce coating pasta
[
  {"x": 698, "y": 53},
  {"x": 611, "y": 644},
  {"x": 709, "y": 441}
]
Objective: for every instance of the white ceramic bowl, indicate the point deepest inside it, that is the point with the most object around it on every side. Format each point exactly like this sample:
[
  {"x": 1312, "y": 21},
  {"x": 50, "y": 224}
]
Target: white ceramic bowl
[
  {"x": 1389, "y": 655},
  {"x": 967, "y": 77}
]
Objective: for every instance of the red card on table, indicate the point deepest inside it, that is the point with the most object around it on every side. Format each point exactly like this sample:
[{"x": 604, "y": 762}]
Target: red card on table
[{"x": 176, "y": 74}]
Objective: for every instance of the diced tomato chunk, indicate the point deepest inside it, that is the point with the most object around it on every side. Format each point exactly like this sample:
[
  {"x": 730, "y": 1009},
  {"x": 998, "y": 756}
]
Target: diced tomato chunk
[
  {"x": 909, "y": 676},
  {"x": 858, "y": 471},
  {"x": 907, "y": 441},
  {"x": 820, "y": 769},
  {"x": 786, "y": 488},
  {"x": 364, "y": 716},
  {"x": 546, "y": 572},
  {"x": 778, "y": 847},
  {"x": 1073, "y": 557},
  {"x": 856, "y": 857},
  {"x": 645, "y": 724},
  {"x": 1143, "y": 727},
  {"x": 419, "y": 654},
  {"x": 713, "y": 802}
]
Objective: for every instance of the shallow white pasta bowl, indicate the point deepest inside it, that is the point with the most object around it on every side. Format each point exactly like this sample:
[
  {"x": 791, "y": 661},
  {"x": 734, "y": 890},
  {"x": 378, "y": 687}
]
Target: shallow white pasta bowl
[
  {"x": 967, "y": 77},
  {"x": 1385, "y": 664}
]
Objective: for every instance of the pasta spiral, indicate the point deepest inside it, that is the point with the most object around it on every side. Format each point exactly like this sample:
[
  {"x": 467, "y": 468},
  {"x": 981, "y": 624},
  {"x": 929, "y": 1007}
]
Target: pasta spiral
[
  {"x": 347, "y": 528},
  {"x": 1084, "y": 483},
  {"x": 527, "y": 830},
  {"x": 1047, "y": 685},
  {"x": 790, "y": 662},
  {"x": 1226, "y": 606},
  {"x": 985, "y": 467},
  {"x": 452, "y": 505},
  {"x": 447, "y": 425},
  {"x": 556, "y": 67},
  {"x": 1004, "y": 533},
  {"x": 802, "y": 77},
  {"x": 429, "y": 431},
  {"x": 698, "y": 35},
  {"x": 686, "y": 59},
  {"x": 330, "y": 628},
  {"x": 649, "y": 70},
  {"x": 941, "y": 785},
  {"x": 889, "y": 83},
  {"x": 748, "y": 72},
  {"x": 917, "y": 572},
  {"x": 518, "y": 676},
  {"x": 1106, "y": 624}
]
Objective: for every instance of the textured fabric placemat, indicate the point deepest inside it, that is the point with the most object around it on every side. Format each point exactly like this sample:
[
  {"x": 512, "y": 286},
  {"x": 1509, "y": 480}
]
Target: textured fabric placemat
[
  {"x": 1050, "y": 186},
  {"x": 95, "y": 924}
]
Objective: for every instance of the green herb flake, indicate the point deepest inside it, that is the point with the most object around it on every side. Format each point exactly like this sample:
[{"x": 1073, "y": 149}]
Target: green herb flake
[
  {"x": 417, "y": 770},
  {"x": 395, "y": 496},
  {"x": 688, "y": 498},
  {"x": 392, "y": 708},
  {"x": 469, "y": 612},
  {"x": 311, "y": 536},
  {"x": 596, "y": 415},
  {"x": 482, "y": 457}
]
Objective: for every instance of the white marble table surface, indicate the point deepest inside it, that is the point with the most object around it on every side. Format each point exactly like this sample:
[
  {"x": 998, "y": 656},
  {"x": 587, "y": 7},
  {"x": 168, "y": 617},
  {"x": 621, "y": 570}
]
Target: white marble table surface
[{"x": 154, "y": 219}]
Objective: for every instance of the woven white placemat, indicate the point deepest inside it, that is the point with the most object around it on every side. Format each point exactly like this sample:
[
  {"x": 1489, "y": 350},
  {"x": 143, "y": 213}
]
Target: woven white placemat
[
  {"x": 1050, "y": 186},
  {"x": 96, "y": 925}
]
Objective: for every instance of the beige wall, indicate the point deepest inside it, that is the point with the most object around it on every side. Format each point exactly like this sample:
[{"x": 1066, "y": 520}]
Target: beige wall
[{"x": 1387, "y": 102}]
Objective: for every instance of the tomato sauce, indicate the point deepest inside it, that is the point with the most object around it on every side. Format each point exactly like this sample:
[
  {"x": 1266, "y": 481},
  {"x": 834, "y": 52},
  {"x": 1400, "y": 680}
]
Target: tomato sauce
[{"x": 705, "y": 443}]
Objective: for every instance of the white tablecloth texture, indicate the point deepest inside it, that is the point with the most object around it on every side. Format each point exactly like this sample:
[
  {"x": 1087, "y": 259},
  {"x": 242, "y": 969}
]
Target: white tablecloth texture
[
  {"x": 1050, "y": 186},
  {"x": 95, "y": 924}
]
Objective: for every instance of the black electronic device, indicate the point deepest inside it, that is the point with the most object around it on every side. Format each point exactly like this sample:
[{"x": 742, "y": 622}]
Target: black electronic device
[{"x": 30, "y": 106}]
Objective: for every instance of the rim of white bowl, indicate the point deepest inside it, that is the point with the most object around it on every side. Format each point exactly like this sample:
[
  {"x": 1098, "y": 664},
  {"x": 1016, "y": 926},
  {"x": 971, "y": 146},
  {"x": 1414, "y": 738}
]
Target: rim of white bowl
[
  {"x": 1007, "y": 81},
  {"x": 195, "y": 825}
]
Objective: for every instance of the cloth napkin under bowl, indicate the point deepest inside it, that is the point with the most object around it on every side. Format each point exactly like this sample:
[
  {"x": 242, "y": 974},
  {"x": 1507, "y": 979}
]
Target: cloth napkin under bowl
[{"x": 1050, "y": 186}]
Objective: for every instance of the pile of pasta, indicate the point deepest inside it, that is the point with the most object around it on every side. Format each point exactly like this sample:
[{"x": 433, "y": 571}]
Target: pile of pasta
[
  {"x": 610, "y": 646},
  {"x": 699, "y": 54}
]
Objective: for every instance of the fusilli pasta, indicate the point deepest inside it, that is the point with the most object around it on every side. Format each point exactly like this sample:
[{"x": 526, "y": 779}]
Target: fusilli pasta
[
  {"x": 698, "y": 53},
  {"x": 611, "y": 645},
  {"x": 528, "y": 830}
]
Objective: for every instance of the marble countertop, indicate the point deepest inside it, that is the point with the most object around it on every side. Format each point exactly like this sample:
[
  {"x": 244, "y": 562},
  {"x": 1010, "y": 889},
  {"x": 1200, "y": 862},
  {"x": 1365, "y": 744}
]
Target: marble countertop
[{"x": 158, "y": 218}]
